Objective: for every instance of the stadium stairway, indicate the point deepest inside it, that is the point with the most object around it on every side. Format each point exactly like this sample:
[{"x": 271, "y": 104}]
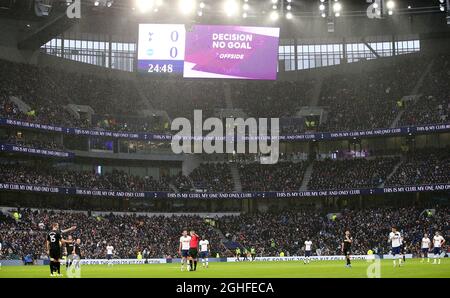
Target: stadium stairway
[
  {"x": 394, "y": 170},
  {"x": 147, "y": 102},
  {"x": 306, "y": 177},
  {"x": 223, "y": 240},
  {"x": 314, "y": 93},
  {"x": 415, "y": 91},
  {"x": 236, "y": 177},
  {"x": 173, "y": 188},
  {"x": 23, "y": 106}
]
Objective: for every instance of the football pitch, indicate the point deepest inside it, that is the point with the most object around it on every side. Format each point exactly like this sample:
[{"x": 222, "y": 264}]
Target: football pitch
[{"x": 292, "y": 269}]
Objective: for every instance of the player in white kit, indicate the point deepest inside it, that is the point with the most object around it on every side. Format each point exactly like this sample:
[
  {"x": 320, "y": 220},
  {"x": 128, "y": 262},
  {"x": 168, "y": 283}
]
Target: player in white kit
[
  {"x": 438, "y": 242},
  {"x": 204, "y": 252},
  {"x": 183, "y": 249},
  {"x": 109, "y": 254},
  {"x": 425, "y": 247},
  {"x": 396, "y": 241},
  {"x": 308, "y": 247}
]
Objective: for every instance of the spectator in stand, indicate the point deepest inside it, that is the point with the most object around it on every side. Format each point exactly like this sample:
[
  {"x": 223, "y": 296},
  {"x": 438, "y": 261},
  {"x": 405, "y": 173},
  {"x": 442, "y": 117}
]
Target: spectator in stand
[
  {"x": 425, "y": 166},
  {"x": 351, "y": 173},
  {"x": 269, "y": 233}
]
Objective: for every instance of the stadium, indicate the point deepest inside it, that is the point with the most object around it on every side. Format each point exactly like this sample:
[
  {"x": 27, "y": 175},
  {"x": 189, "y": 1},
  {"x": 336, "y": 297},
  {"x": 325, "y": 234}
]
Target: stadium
[{"x": 224, "y": 139}]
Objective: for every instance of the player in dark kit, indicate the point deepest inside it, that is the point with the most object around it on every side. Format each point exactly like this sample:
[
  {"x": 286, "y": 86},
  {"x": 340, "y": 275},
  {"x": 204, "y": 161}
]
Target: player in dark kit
[
  {"x": 77, "y": 252},
  {"x": 193, "y": 251},
  {"x": 346, "y": 248},
  {"x": 53, "y": 245},
  {"x": 69, "y": 251}
]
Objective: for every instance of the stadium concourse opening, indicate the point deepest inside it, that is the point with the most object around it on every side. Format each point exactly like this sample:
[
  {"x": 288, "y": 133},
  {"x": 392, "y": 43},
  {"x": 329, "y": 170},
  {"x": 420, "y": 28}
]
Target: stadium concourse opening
[{"x": 351, "y": 177}]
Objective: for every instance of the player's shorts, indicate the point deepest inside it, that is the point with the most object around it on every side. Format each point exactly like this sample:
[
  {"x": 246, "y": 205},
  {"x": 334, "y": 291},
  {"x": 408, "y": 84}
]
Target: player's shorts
[
  {"x": 193, "y": 252},
  {"x": 307, "y": 253},
  {"x": 425, "y": 251},
  {"x": 55, "y": 254},
  {"x": 109, "y": 256},
  {"x": 437, "y": 250},
  {"x": 396, "y": 250},
  {"x": 185, "y": 253},
  {"x": 203, "y": 254},
  {"x": 347, "y": 252}
]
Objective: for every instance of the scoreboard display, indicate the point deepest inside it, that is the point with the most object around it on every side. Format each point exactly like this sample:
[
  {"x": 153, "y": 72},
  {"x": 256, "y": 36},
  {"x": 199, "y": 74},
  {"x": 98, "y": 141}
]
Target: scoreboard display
[
  {"x": 161, "y": 48},
  {"x": 209, "y": 51}
]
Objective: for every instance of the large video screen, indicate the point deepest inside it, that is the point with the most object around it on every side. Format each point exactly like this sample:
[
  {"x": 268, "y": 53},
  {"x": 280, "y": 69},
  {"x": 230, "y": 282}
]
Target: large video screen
[{"x": 209, "y": 51}]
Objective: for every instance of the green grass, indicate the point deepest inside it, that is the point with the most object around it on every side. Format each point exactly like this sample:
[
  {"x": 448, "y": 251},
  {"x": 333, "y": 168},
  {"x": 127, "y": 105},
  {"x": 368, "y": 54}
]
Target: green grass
[{"x": 334, "y": 269}]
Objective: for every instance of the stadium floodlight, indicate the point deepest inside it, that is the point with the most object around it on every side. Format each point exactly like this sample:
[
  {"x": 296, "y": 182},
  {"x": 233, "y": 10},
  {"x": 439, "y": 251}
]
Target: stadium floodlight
[
  {"x": 109, "y": 3},
  {"x": 390, "y": 4},
  {"x": 244, "y": 15},
  {"x": 337, "y": 7},
  {"x": 337, "y": 14},
  {"x": 289, "y": 15},
  {"x": 96, "y": 3},
  {"x": 186, "y": 6},
  {"x": 390, "y": 12},
  {"x": 323, "y": 15},
  {"x": 274, "y": 15},
  {"x": 245, "y": 6},
  {"x": 144, "y": 5},
  {"x": 202, "y": 5},
  {"x": 274, "y": 7},
  {"x": 200, "y": 13},
  {"x": 288, "y": 7},
  {"x": 231, "y": 7},
  {"x": 274, "y": 1},
  {"x": 321, "y": 7}
]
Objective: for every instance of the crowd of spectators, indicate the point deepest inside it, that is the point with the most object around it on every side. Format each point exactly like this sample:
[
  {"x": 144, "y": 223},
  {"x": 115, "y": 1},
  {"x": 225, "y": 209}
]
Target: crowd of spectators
[
  {"x": 37, "y": 143},
  {"x": 282, "y": 176},
  {"x": 269, "y": 233},
  {"x": 45, "y": 175},
  {"x": 368, "y": 100},
  {"x": 433, "y": 106},
  {"x": 213, "y": 177},
  {"x": 287, "y": 231},
  {"x": 262, "y": 99},
  {"x": 423, "y": 167},
  {"x": 158, "y": 236},
  {"x": 352, "y": 101},
  {"x": 351, "y": 173}
]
